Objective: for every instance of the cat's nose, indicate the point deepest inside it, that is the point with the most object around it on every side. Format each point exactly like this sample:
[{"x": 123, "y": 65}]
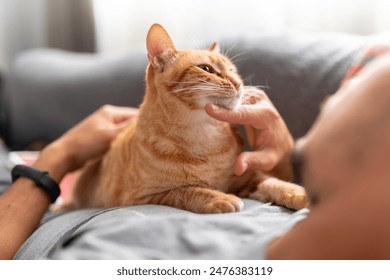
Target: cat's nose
[{"x": 237, "y": 84}]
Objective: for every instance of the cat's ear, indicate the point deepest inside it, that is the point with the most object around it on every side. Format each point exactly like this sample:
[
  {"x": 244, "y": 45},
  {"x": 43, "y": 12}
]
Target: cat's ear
[
  {"x": 161, "y": 50},
  {"x": 215, "y": 48}
]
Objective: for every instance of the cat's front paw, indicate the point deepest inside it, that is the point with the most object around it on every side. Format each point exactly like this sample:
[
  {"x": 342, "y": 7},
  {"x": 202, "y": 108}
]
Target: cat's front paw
[
  {"x": 281, "y": 193},
  {"x": 295, "y": 201},
  {"x": 223, "y": 204}
]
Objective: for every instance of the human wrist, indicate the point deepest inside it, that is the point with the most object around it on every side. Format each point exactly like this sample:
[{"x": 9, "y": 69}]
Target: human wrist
[
  {"x": 56, "y": 160},
  {"x": 39, "y": 177}
]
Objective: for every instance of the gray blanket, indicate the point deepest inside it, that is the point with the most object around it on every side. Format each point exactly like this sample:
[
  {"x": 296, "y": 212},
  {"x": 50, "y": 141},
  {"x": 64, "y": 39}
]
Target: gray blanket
[{"x": 159, "y": 232}]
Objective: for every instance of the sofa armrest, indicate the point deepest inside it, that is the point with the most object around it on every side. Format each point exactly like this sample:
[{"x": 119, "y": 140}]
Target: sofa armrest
[{"x": 48, "y": 91}]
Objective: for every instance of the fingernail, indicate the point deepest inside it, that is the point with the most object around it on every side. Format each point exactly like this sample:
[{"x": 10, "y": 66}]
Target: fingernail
[
  {"x": 215, "y": 107},
  {"x": 244, "y": 167}
]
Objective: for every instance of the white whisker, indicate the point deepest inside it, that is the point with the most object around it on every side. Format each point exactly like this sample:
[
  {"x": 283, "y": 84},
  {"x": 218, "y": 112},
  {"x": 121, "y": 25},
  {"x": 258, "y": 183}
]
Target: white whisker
[
  {"x": 237, "y": 57},
  {"x": 229, "y": 50},
  {"x": 196, "y": 43},
  {"x": 259, "y": 86}
]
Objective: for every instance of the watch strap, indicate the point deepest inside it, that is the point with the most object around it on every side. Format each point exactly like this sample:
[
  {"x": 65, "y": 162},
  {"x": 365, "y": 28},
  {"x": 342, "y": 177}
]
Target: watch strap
[{"x": 40, "y": 177}]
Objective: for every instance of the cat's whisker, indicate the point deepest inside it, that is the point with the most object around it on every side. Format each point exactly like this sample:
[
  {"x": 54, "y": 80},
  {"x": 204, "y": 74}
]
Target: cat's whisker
[
  {"x": 198, "y": 79},
  {"x": 229, "y": 50},
  {"x": 180, "y": 90},
  {"x": 198, "y": 88},
  {"x": 237, "y": 57},
  {"x": 194, "y": 86},
  {"x": 196, "y": 43},
  {"x": 263, "y": 87},
  {"x": 248, "y": 79},
  {"x": 187, "y": 82}
]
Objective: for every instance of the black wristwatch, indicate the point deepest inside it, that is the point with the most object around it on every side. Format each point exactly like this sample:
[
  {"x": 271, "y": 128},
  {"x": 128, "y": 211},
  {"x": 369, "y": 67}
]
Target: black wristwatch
[{"x": 41, "y": 178}]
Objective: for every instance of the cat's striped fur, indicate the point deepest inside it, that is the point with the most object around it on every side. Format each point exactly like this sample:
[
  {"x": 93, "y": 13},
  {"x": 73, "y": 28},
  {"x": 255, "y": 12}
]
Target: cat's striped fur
[{"x": 175, "y": 154}]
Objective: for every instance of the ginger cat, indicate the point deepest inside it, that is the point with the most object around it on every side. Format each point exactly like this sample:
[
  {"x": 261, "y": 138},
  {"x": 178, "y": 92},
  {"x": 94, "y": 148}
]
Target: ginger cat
[{"x": 175, "y": 154}]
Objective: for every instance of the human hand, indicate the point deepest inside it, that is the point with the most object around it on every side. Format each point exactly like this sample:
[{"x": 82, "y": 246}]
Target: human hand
[
  {"x": 267, "y": 133},
  {"x": 89, "y": 139}
]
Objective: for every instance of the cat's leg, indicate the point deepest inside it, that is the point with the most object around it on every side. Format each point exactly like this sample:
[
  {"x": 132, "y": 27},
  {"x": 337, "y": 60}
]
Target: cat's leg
[
  {"x": 279, "y": 192},
  {"x": 199, "y": 200}
]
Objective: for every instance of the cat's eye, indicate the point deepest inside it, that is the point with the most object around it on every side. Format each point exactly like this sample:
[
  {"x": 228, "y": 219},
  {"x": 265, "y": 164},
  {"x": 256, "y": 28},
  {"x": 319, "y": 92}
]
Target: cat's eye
[{"x": 206, "y": 68}]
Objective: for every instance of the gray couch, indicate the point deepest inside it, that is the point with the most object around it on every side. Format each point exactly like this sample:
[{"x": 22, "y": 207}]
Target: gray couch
[{"x": 48, "y": 91}]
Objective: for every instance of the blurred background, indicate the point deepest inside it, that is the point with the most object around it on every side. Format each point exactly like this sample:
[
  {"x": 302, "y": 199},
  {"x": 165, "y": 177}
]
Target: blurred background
[{"x": 119, "y": 26}]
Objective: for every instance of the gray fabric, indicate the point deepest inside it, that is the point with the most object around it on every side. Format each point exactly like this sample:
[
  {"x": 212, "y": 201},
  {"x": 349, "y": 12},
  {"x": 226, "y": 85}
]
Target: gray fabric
[
  {"x": 54, "y": 229},
  {"x": 5, "y": 176},
  {"x": 160, "y": 232}
]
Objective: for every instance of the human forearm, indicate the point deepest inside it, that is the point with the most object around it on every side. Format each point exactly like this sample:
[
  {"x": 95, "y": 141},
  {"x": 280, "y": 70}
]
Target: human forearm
[
  {"x": 20, "y": 215},
  {"x": 23, "y": 206}
]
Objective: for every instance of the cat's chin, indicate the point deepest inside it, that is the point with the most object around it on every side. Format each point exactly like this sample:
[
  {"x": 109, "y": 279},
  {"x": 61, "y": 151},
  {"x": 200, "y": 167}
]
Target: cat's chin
[{"x": 228, "y": 103}]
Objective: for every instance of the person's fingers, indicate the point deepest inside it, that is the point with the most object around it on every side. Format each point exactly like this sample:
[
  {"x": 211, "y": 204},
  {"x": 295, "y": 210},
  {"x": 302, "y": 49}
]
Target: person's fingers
[
  {"x": 125, "y": 116},
  {"x": 263, "y": 160},
  {"x": 118, "y": 127},
  {"x": 115, "y": 118},
  {"x": 120, "y": 114},
  {"x": 258, "y": 115},
  {"x": 253, "y": 95},
  {"x": 216, "y": 112},
  {"x": 238, "y": 116}
]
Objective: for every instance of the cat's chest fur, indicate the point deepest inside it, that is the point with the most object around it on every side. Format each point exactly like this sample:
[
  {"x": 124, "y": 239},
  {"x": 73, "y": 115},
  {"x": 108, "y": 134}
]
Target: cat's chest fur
[
  {"x": 160, "y": 157},
  {"x": 198, "y": 151}
]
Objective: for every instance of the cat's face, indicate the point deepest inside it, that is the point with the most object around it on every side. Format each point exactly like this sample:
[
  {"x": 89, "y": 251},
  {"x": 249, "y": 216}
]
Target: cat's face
[{"x": 194, "y": 77}]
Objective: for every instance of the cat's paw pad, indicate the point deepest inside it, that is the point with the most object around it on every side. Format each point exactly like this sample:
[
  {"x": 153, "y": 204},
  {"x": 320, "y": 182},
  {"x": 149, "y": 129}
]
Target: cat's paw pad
[
  {"x": 295, "y": 201},
  {"x": 225, "y": 204}
]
